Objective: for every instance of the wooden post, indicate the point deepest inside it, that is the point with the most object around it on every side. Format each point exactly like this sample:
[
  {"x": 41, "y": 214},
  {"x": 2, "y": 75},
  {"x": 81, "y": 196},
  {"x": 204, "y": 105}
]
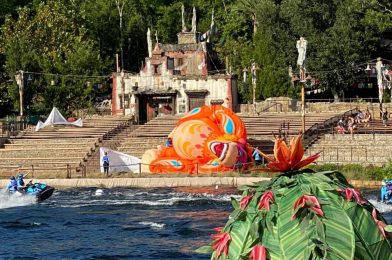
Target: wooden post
[{"x": 303, "y": 106}]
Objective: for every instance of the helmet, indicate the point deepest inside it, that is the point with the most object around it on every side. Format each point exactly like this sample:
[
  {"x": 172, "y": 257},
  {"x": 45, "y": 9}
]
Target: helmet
[
  {"x": 20, "y": 176},
  {"x": 12, "y": 177}
]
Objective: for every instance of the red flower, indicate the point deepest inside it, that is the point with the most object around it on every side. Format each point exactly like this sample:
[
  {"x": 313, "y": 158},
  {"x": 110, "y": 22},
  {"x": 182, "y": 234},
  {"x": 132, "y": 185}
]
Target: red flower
[
  {"x": 258, "y": 253},
  {"x": 379, "y": 223},
  {"x": 221, "y": 243},
  {"x": 310, "y": 202},
  {"x": 265, "y": 200},
  {"x": 350, "y": 192},
  {"x": 245, "y": 201},
  {"x": 288, "y": 158}
]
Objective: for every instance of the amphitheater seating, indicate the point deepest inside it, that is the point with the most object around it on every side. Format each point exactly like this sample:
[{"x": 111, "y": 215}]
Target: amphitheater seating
[
  {"x": 59, "y": 150},
  {"x": 369, "y": 145}
]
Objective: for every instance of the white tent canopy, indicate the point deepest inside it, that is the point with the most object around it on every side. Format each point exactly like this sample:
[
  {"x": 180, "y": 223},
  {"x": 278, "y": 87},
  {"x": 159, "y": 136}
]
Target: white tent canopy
[
  {"x": 56, "y": 118},
  {"x": 119, "y": 162}
]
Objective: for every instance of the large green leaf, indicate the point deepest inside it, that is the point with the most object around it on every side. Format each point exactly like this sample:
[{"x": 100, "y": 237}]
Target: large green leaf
[
  {"x": 241, "y": 236},
  {"x": 294, "y": 242},
  {"x": 339, "y": 232},
  {"x": 369, "y": 241}
]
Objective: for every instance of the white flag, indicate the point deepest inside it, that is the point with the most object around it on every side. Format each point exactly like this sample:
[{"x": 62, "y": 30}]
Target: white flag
[{"x": 119, "y": 162}]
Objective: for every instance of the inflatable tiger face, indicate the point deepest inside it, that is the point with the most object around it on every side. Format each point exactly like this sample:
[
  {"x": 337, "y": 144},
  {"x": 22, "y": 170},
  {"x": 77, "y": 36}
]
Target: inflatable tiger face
[{"x": 207, "y": 139}]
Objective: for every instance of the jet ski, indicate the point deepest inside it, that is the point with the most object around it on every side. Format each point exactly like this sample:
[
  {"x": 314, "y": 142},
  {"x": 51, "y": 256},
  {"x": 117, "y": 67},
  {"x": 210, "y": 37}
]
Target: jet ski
[
  {"x": 40, "y": 190},
  {"x": 386, "y": 191}
]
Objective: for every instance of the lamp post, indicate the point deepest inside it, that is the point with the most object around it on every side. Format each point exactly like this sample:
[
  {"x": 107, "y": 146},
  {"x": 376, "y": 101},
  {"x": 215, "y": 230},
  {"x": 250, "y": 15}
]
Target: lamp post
[
  {"x": 254, "y": 68},
  {"x": 120, "y": 7},
  {"x": 19, "y": 77}
]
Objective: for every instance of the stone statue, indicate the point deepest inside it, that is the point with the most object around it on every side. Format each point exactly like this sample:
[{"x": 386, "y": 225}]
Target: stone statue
[
  {"x": 184, "y": 29},
  {"x": 149, "y": 43},
  {"x": 301, "y": 61},
  {"x": 156, "y": 36},
  {"x": 194, "y": 20}
]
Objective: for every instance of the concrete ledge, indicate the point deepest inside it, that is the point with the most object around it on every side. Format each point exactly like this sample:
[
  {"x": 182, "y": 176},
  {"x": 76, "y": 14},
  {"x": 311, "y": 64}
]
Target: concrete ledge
[{"x": 162, "y": 182}]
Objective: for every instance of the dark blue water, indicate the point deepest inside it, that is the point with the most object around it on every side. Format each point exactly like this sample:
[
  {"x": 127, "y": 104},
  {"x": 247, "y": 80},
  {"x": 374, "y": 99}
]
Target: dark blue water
[{"x": 119, "y": 224}]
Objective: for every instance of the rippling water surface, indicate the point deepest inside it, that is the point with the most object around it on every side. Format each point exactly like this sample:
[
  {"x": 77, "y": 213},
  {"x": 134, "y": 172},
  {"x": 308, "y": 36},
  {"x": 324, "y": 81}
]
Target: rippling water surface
[{"x": 117, "y": 223}]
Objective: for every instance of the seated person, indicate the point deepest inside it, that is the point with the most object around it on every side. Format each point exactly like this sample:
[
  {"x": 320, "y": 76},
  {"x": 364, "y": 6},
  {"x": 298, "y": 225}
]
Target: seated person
[
  {"x": 368, "y": 118},
  {"x": 359, "y": 117},
  {"x": 12, "y": 185},
  {"x": 341, "y": 127},
  {"x": 351, "y": 125},
  {"x": 20, "y": 181}
]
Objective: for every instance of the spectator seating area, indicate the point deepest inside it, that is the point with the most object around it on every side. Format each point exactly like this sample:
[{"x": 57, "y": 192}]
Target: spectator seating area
[{"x": 56, "y": 150}]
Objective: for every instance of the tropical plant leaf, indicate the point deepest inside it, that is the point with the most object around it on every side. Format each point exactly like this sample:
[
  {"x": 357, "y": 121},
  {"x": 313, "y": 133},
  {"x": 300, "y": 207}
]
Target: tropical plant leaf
[
  {"x": 294, "y": 242},
  {"x": 235, "y": 203},
  {"x": 388, "y": 228},
  {"x": 339, "y": 233},
  {"x": 204, "y": 250},
  {"x": 241, "y": 236}
]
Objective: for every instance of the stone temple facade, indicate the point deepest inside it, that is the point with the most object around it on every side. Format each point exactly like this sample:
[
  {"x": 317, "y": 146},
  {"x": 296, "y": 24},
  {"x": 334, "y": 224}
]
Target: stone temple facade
[{"x": 175, "y": 79}]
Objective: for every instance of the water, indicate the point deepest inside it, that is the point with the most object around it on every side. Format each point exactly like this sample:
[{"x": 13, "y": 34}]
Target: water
[
  {"x": 113, "y": 224},
  {"x": 118, "y": 223}
]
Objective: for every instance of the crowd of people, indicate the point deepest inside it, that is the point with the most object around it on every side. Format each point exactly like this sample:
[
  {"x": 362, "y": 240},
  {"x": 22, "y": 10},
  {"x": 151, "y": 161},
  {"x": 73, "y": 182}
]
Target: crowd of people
[{"x": 350, "y": 124}]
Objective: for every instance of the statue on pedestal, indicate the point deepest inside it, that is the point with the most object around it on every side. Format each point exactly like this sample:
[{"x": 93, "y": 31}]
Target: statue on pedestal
[{"x": 301, "y": 61}]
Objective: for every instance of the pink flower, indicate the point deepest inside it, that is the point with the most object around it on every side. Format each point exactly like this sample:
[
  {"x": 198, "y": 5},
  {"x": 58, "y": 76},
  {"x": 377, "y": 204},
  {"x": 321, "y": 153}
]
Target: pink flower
[
  {"x": 221, "y": 243},
  {"x": 265, "y": 200},
  {"x": 350, "y": 192},
  {"x": 245, "y": 201},
  {"x": 379, "y": 223},
  {"x": 258, "y": 253},
  {"x": 310, "y": 202}
]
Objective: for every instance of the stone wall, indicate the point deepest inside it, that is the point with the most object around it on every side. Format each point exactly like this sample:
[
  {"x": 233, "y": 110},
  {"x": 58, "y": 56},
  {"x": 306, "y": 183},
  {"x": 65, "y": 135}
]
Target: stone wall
[{"x": 285, "y": 104}]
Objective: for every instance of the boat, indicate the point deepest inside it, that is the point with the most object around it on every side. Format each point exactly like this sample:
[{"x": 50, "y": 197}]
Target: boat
[
  {"x": 40, "y": 190},
  {"x": 386, "y": 191}
]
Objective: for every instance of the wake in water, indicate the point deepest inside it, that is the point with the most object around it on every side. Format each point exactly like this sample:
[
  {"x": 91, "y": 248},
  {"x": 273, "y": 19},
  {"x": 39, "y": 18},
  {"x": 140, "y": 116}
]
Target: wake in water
[{"x": 14, "y": 200}]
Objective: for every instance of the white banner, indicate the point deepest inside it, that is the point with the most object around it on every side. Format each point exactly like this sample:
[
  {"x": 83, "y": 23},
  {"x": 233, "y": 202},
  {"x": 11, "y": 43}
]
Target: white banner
[{"x": 119, "y": 162}]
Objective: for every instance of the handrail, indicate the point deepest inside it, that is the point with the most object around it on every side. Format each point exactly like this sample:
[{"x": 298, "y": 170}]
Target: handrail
[
  {"x": 266, "y": 108},
  {"x": 314, "y": 132}
]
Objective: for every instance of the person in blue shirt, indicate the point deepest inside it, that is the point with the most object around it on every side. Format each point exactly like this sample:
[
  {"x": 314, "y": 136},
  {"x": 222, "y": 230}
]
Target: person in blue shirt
[
  {"x": 106, "y": 163},
  {"x": 169, "y": 142},
  {"x": 256, "y": 156},
  {"x": 12, "y": 185},
  {"x": 20, "y": 181}
]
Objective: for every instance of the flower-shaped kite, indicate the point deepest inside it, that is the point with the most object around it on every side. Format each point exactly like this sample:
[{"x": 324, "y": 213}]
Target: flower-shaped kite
[{"x": 288, "y": 157}]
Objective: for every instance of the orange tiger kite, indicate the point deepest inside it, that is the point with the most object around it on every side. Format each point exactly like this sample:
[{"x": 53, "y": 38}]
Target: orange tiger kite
[{"x": 206, "y": 139}]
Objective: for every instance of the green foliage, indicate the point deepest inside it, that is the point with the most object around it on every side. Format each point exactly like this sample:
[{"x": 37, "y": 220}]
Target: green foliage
[
  {"x": 345, "y": 230},
  {"x": 82, "y": 37}
]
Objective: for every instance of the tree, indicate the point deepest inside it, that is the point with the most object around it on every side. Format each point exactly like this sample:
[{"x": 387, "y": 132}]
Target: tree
[{"x": 52, "y": 41}]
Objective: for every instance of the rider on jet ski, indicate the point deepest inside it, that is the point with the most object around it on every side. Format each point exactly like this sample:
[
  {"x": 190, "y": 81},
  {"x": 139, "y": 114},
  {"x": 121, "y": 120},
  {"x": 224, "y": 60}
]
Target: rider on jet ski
[{"x": 12, "y": 185}]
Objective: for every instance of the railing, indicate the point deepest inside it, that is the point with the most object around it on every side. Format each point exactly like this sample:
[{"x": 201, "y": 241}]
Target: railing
[
  {"x": 11, "y": 127},
  {"x": 361, "y": 154},
  {"x": 273, "y": 104}
]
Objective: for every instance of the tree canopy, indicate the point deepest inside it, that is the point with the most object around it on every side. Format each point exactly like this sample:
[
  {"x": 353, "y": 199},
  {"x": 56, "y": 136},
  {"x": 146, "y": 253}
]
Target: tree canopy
[{"x": 69, "y": 46}]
